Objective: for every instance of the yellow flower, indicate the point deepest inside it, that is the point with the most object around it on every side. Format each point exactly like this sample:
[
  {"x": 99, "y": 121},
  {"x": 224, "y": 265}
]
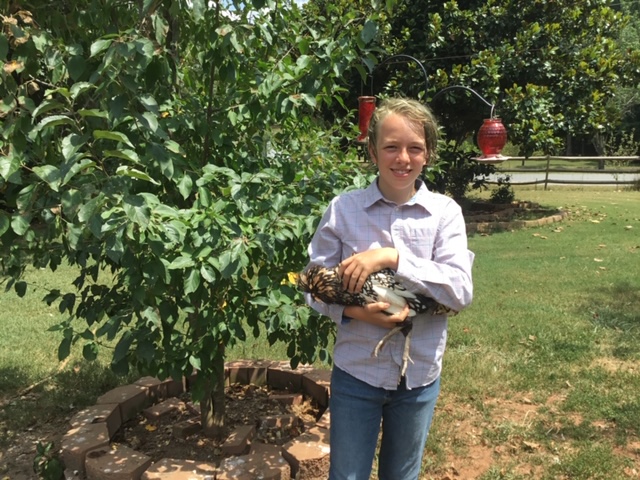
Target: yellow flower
[{"x": 292, "y": 278}]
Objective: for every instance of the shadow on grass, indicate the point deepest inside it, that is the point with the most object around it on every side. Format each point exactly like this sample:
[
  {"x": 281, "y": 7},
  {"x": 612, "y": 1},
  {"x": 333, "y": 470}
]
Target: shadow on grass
[
  {"x": 77, "y": 386},
  {"x": 616, "y": 309}
]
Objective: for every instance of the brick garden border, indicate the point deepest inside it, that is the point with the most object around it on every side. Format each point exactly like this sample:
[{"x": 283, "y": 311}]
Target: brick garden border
[
  {"x": 488, "y": 224},
  {"x": 87, "y": 452}
]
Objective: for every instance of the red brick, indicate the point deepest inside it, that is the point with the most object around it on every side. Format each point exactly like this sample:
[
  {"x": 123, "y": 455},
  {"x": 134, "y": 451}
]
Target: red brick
[
  {"x": 131, "y": 398},
  {"x": 287, "y": 398},
  {"x": 194, "y": 408},
  {"x": 78, "y": 441},
  {"x": 308, "y": 455},
  {"x": 279, "y": 421},
  {"x": 173, "y": 469},
  {"x": 281, "y": 376},
  {"x": 267, "y": 449},
  {"x": 160, "y": 389},
  {"x": 239, "y": 441},
  {"x": 186, "y": 428},
  {"x": 122, "y": 463},
  {"x": 255, "y": 466},
  {"x": 108, "y": 413},
  {"x": 317, "y": 384},
  {"x": 248, "y": 372},
  {"x": 325, "y": 420},
  {"x": 164, "y": 408}
]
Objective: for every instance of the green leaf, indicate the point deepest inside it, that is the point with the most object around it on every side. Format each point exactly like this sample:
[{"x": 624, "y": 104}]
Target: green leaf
[
  {"x": 50, "y": 174},
  {"x": 146, "y": 350},
  {"x": 90, "y": 351},
  {"x": 47, "y": 106},
  {"x": 122, "y": 348},
  {"x": 150, "y": 122},
  {"x": 117, "y": 136},
  {"x": 76, "y": 66},
  {"x": 369, "y": 32},
  {"x": 208, "y": 273},
  {"x": 64, "y": 349},
  {"x": 5, "y": 222},
  {"x": 137, "y": 210},
  {"x": 9, "y": 165},
  {"x": 174, "y": 147},
  {"x": 303, "y": 62},
  {"x": 80, "y": 87},
  {"x": 20, "y": 224},
  {"x": 88, "y": 209},
  {"x": 4, "y": 47},
  {"x": 51, "y": 297},
  {"x": 71, "y": 144},
  {"x": 54, "y": 121},
  {"x": 192, "y": 282},
  {"x": 67, "y": 303},
  {"x": 152, "y": 317},
  {"x": 100, "y": 46},
  {"x": 125, "y": 154},
  {"x": 135, "y": 173},
  {"x": 185, "y": 185},
  {"x": 93, "y": 112},
  {"x": 20, "y": 288},
  {"x": 150, "y": 103},
  {"x": 74, "y": 168},
  {"x": 228, "y": 266},
  {"x": 195, "y": 362},
  {"x": 146, "y": 6},
  {"x": 182, "y": 262}
]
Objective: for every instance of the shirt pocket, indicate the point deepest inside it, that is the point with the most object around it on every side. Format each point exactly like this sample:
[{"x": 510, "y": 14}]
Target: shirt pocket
[{"x": 420, "y": 240}]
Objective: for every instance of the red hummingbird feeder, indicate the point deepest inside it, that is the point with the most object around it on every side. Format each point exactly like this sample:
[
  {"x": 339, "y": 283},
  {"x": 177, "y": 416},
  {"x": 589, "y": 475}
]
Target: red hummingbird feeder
[
  {"x": 492, "y": 135},
  {"x": 366, "y": 106}
]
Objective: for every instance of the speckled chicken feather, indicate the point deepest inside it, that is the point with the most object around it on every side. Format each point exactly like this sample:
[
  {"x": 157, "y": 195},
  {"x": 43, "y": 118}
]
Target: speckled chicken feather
[{"x": 325, "y": 285}]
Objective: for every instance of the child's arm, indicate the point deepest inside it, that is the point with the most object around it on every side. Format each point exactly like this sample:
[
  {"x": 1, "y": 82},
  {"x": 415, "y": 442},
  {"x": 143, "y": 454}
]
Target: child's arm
[{"x": 355, "y": 269}]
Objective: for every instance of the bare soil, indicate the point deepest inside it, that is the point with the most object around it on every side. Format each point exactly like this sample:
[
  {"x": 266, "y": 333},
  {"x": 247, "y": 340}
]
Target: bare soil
[{"x": 245, "y": 405}]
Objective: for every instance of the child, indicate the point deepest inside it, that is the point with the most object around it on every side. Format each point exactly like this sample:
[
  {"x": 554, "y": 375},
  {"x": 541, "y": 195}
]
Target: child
[{"x": 395, "y": 223}]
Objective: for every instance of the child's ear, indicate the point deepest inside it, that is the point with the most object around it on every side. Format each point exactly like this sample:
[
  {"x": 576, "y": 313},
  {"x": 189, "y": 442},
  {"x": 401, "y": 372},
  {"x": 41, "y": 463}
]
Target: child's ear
[{"x": 372, "y": 155}]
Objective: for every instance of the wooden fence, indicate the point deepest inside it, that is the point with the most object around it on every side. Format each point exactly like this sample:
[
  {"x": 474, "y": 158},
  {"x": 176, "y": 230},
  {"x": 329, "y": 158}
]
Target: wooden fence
[{"x": 616, "y": 176}]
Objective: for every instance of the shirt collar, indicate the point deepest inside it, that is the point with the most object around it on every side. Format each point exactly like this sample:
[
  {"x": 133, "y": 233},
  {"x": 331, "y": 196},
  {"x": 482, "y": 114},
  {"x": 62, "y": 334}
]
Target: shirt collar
[{"x": 423, "y": 196}]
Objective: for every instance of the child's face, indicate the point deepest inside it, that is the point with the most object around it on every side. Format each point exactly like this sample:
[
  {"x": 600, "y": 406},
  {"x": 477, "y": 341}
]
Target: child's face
[{"x": 400, "y": 153}]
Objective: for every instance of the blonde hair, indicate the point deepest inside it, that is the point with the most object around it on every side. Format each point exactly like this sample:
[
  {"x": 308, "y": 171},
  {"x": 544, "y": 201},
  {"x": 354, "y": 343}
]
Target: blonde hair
[{"x": 413, "y": 111}]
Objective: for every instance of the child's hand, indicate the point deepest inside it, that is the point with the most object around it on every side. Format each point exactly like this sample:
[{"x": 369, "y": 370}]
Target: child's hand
[
  {"x": 355, "y": 269},
  {"x": 374, "y": 313}
]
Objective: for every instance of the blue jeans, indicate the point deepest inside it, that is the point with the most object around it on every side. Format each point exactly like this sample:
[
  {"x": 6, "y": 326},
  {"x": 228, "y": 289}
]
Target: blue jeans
[{"x": 357, "y": 410}]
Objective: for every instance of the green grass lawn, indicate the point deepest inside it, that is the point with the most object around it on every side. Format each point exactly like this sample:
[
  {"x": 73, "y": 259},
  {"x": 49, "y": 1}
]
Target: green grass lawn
[{"x": 541, "y": 376}]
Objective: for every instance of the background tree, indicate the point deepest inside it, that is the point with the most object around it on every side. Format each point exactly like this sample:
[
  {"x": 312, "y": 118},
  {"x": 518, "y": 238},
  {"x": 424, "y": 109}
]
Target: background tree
[
  {"x": 559, "y": 59},
  {"x": 171, "y": 151},
  {"x": 621, "y": 132}
]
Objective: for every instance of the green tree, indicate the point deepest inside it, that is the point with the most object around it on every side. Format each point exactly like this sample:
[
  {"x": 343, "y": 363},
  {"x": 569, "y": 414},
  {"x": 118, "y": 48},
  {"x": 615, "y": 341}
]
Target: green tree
[
  {"x": 172, "y": 152},
  {"x": 551, "y": 67},
  {"x": 624, "y": 107}
]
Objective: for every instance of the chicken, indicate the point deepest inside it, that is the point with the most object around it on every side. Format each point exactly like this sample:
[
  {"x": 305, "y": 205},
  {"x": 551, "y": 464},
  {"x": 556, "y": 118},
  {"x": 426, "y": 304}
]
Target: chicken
[{"x": 325, "y": 285}]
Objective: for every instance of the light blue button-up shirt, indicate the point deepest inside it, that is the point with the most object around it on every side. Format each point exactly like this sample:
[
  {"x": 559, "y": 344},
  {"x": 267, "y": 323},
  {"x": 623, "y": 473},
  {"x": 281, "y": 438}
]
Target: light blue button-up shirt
[{"x": 430, "y": 235}]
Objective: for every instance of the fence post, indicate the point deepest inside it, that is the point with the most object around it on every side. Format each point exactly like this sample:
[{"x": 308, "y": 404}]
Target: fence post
[{"x": 546, "y": 173}]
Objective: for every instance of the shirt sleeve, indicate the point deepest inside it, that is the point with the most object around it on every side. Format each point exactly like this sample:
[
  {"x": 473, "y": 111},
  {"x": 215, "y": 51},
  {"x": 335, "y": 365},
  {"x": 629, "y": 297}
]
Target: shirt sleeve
[{"x": 446, "y": 276}]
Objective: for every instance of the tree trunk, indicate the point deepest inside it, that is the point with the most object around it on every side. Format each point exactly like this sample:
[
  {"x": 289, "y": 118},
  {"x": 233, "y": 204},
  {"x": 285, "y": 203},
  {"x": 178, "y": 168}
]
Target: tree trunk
[{"x": 212, "y": 407}]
